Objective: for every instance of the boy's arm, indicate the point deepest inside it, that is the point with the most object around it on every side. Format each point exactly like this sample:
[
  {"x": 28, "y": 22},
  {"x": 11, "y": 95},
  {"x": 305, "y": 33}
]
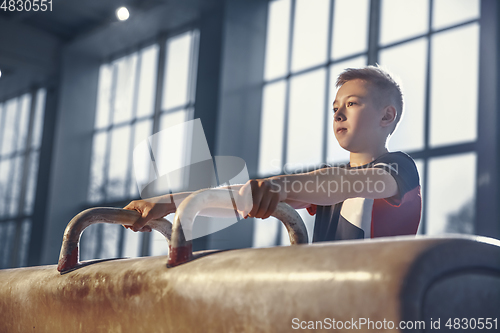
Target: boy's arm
[
  {"x": 321, "y": 187},
  {"x": 297, "y": 204},
  {"x": 333, "y": 185},
  {"x": 160, "y": 206}
]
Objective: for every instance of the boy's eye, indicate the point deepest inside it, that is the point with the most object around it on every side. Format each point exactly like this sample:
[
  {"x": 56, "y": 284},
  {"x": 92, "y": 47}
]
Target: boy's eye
[
  {"x": 335, "y": 110},
  {"x": 350, "y": 103}
]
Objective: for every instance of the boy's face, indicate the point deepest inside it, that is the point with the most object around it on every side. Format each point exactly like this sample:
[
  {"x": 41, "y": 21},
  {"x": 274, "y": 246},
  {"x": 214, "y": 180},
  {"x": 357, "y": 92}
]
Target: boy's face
[{"x": 357, "y": 116}]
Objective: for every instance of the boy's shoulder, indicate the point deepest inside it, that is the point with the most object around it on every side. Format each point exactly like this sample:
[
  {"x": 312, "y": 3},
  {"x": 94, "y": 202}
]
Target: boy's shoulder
[
  {"x": 395, "y": 160},
  {"x": 389, "y": 160},
  {"x": 402, "y": 167},
  {"x": 394, "y": 155}
]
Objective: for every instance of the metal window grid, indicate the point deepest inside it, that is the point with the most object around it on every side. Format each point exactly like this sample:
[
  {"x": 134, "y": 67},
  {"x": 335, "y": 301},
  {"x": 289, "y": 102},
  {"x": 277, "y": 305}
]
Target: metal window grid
[
  {"x": 24, "y": 155},
  {"x": 156, "y": 119}
]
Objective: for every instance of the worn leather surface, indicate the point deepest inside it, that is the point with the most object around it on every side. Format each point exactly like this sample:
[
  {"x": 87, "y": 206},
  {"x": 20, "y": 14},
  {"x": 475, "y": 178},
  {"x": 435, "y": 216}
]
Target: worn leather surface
[{"x": 248, "y": 290}]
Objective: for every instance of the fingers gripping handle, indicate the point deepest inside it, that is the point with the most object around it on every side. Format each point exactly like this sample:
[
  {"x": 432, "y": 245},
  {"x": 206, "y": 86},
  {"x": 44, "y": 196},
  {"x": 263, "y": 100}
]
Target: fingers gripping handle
[
  {"x": 180, "y": 247},
  {"x": 69, "y": 257}
]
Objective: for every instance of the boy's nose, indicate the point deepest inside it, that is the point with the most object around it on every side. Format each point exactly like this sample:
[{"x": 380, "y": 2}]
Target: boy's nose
[{"x": 339, "y": 116}]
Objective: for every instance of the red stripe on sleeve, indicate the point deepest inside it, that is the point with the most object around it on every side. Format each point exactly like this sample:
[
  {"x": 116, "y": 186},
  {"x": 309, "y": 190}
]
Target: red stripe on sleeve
[
  {"x": 312, "y": 209},
  {"x": 390, "y": 220}
]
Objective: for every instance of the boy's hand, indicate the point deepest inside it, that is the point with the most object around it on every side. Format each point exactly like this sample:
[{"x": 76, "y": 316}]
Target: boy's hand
[
  {"x": 149, "y": 209},
  {"x": 266, "y": 194}
]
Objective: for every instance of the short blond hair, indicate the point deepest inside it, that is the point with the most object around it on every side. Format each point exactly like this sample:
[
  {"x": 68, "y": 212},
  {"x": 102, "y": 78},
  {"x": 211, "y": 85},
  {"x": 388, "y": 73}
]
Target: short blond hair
[{"x": 381, "y": 80}]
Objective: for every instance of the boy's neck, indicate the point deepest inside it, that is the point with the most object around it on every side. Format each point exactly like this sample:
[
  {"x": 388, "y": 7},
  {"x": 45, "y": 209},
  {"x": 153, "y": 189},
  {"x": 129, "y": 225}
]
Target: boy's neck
[{"x": 362, "y": 158}]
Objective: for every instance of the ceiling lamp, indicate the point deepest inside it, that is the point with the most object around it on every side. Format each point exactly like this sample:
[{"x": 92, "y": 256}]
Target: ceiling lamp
[{"x": 122, "y": 13}]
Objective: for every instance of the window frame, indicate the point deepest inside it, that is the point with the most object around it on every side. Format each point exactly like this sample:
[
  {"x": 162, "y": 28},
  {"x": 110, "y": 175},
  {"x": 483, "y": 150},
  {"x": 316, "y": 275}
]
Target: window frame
[
  {"x": 156, "y": 116},
  {"x": 19, "y": 253}
]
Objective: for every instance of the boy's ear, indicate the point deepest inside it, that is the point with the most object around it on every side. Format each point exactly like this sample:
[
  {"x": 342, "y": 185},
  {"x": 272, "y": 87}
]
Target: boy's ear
[{"x": 389, "y": 117}]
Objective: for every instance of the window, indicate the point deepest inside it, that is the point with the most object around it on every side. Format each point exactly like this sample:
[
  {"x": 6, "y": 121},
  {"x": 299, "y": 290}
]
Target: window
[
  {"x": 138, "y": 95},
  {"x": 421, "y": 41},
  {"x": 21, "y": 125}
]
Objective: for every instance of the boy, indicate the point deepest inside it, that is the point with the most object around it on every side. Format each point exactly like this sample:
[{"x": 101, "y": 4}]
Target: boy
[{"x": 376, "y": 194}]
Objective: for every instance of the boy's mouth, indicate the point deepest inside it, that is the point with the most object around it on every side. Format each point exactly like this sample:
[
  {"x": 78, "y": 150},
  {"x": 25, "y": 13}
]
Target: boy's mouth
[{"x": 341, "y": 130}]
